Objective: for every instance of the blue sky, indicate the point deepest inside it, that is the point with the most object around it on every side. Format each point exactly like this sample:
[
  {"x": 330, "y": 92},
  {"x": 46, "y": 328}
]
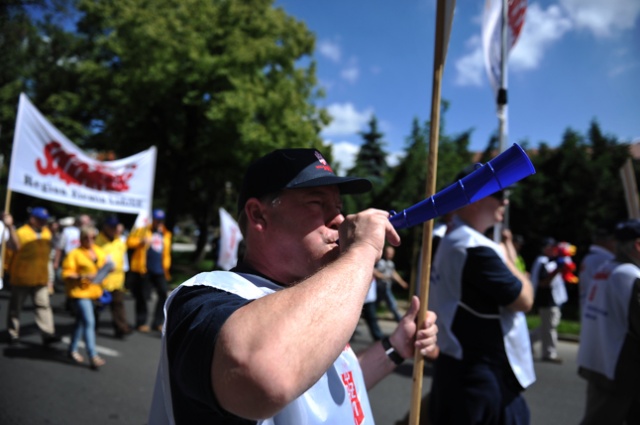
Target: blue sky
[{"x": 575, "y": 60}]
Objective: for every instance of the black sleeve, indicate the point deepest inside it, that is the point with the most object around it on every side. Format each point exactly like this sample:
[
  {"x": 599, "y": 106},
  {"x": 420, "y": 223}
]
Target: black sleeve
[
  {"x": 194, "y": 319},
  {"x": 486, "y": 277}
]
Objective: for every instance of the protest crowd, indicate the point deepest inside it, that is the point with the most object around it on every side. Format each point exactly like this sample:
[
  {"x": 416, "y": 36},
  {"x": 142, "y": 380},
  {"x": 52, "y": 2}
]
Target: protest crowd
[{"x": 475, "y": 334}]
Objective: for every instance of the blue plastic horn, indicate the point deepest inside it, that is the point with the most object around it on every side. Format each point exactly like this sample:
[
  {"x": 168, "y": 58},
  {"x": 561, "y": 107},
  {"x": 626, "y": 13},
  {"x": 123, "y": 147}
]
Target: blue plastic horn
[{"x": 509, "y": 167}]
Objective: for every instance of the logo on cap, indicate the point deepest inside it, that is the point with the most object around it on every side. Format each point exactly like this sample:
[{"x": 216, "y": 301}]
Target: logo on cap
[{"x": 325, "y": 166}]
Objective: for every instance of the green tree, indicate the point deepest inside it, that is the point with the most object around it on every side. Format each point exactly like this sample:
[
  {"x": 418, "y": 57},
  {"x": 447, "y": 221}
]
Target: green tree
[
  {"x": 575, "y": 189},
  {"x": 212, "y": 84},
  {"x": 370, "y": 163},
  {"x": 34, "y": 56}
]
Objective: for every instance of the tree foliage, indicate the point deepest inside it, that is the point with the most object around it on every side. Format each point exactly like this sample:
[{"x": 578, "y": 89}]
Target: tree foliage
[{"x": 213, "y": 84}]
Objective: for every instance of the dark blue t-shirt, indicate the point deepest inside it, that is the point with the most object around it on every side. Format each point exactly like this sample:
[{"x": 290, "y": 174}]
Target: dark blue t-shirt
[
  {"x": 154, "y": 254},
  {"x": 544, "y": 296},
  {"x": 487, "y": 285},
  {"x": 195, "y": 317}
]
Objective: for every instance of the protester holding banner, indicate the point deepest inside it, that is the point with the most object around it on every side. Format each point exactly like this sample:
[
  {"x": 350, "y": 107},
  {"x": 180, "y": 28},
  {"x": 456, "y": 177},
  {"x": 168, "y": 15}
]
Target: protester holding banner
[
  {"x": 609, "y": 352},
  {"x": 150, "y": 265},
  {"x": 29, "y": 274},
  {"x": 8, "y": 230},
  {"x": 116, "y": 250},
  {"x": 270, "y": 338},
  {"x": 79, "y": 271}
]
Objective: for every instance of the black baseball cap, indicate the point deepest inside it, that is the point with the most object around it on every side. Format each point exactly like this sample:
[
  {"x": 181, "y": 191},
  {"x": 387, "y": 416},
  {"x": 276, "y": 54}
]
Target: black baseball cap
[
  {"x": 294, "y": 169},
  {"x": 627, "y": 230}
]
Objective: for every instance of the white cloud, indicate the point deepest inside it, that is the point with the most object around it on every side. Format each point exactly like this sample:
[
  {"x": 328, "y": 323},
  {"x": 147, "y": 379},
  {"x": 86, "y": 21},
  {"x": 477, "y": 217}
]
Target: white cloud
[
  {"x": 603, "y": 17},
  {"x": 344, "y": 156},
  {"x": 621, "y": 69},
  {"x": 394, "y": 158},
  {"x": 352, "y": 72},
  {"x": 330, "y": 50},
  {"x": 541, "y": 29},
  {"x": 345, "y": 153},
  {"x": 544, "y": 27},
  {"x": 470, "y": 67},
  {"x": 346, "y": 120}
]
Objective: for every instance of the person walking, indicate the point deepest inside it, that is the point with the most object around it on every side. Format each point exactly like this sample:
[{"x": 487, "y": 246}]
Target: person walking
[
  {"x": 385, "y": 273},
  {"x": 83, "y": 287},
  {"x": 10, "y": 238},
  {"x": 601, "y": 250},
  {"x": 550, "y": 294},
  {"x": 369, "y": 313},
  {"x": 480, "y": 296},
  {"x": 609, "y": 351},
  {"x": 116, "y": 251},
  {"x": 29, "y": 275},
  {"x": 268, "y": 341},
  {"x": 150, "y": 268}
]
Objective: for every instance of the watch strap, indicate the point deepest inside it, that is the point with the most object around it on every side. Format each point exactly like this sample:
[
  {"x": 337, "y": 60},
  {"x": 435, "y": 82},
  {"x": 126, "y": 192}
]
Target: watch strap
[{"x": 396, "y": 358}]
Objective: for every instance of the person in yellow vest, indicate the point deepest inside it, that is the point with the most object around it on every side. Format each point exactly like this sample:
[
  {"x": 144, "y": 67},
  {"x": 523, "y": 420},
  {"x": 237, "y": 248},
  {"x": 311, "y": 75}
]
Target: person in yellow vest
[
  {"x": 116, "y": 249},
  {"x": 150, "y": 264},
  {"x": 8, "y": 232},
  {"x": 29, "y": 274},
  {"x": 83, "y": 286}
]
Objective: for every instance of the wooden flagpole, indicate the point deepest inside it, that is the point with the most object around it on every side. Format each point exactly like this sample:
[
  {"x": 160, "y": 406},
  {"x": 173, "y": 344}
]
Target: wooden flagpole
[
  {"x": 3, "y": 245},
  {"x": 444, "y": 16},
  {"x": 630, "y": 186}
]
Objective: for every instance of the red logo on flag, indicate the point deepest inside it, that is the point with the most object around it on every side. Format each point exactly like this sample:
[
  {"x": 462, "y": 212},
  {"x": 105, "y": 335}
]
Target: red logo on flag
[
  {"x": 358, "y": 414},
  {"x": 73, "y": 170}
]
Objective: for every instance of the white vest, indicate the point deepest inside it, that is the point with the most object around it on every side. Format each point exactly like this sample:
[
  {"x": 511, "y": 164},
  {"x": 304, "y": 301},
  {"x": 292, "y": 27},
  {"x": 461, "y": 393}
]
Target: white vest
[
  {"x": 445, "y": 299},
  {"x": 596, "y": 257},
  {"x": 339, "y": 397},
  {"x": 605, "y": 317}
]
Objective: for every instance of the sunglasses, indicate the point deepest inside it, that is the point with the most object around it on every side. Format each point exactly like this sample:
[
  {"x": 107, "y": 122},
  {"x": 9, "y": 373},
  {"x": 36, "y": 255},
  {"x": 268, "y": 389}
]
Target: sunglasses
[{"x": 500, "y": 195}]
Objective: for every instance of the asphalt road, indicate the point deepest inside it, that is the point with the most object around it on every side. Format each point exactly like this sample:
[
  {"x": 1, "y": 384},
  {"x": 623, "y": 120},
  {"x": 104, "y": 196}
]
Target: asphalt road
[{"x": 40, "y": 386}]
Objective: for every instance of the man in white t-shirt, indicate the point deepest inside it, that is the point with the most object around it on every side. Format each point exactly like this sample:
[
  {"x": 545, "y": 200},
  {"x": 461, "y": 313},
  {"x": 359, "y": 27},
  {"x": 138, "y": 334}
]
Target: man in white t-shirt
[
  {"x": 601, "y": 250},
  {"x": 609, "y": 352}
]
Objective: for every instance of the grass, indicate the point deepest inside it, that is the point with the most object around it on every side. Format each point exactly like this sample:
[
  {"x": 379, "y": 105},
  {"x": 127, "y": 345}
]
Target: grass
[{"x": 566, "y": 327}]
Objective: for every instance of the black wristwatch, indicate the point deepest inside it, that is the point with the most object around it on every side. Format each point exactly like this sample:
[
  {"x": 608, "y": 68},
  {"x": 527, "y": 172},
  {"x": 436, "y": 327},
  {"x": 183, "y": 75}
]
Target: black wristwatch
[{"x": 396, "y": 358}]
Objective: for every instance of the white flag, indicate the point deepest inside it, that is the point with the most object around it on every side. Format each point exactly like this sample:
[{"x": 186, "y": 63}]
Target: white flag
[
  {"x": 491, "y": 35},
  {"x": 46, "y": 165},
  {"x": 230, "y": 238}
]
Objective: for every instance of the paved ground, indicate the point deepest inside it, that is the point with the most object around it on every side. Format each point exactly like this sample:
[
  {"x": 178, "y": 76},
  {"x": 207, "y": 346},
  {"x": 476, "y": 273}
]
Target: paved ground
[
  {"x": 40, "y": 385},
  {"x": 556, "y": 398}
]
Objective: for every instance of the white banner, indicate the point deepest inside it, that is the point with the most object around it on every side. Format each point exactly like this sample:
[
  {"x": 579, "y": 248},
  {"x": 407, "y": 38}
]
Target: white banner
[
  {"x": 46, "y": 165},
  {"x": 230, "y": 237},
  {"x": 492, "y": 36}
]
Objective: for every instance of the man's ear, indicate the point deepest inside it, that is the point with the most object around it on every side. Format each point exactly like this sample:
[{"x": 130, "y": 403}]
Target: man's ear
[{"x": 254, "y": 209}]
